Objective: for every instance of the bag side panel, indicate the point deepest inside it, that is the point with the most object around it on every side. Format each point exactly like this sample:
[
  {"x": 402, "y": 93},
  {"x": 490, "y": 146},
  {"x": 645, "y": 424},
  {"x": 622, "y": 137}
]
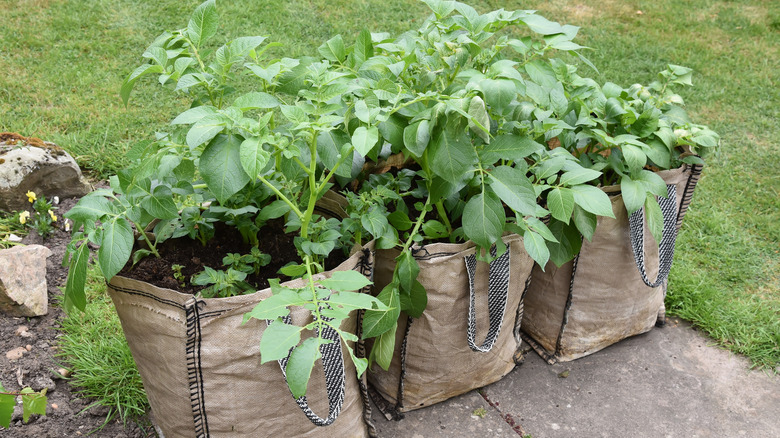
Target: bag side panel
[{"x": 545, "y": 305}]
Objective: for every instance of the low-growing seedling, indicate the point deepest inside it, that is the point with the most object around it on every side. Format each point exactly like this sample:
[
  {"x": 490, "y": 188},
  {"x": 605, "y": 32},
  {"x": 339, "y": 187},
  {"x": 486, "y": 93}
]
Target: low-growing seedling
[{"x": 32, "y": 403}]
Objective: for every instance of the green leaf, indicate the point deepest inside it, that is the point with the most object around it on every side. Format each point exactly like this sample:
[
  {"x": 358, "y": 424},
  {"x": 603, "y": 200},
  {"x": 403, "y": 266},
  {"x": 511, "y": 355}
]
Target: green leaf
[
  {"x": 255, "y": 100},
  {"x": 568, "y": 245},
  {"x": 364, "y": 139},
  {"x": 160, "y": 204},
  {"x": 77, "y": 279},
  {"x": 514, "y": 188},
  {"x": 329, "y": 145},
  {"x": 354, "y": 300},
  {"x": 220, "y": 166},
  {"x": 653, "y": 183},
  {"x": 414, "y": 301},
  {"x": 579, "y": 176},
  {"x": 417, "y": 136},
  {"x": 116, "y": 246},
  {"x": 361, "y": 363},
  {"x": 654, "y": 218},
  {"x": 374, "y": 222},
  {"x": 434, "y": 229},
  {"x": 89, "y": 208},
  {"x": 194, "y": 115},
  {"x": 203, "y": 23},
  {"x": 406, "y": 270},
  {"x": 647, "y": 123},
  {"x": 541, "y": 25},
  {"x": 635, "y": 158},
  {"x": 452, "y": 156},
  {"x": 346, "y": 281},
  {"x": 32, "y": 403},
  {"x": 536, "y": 247},
  {"x": 276, "y": 305},
  {"x": 560, "y": 202},
  {"x": 392, "y": 131},
  {"x": 273, "y": 210},
  {"x": 376, "y": 322},
  {"x": 253, "y": 157},
  {"x": 483, "y": 219},
  {"x": 300, "y": 365},
  {"x": 613, "y": 109},
  {"x": 127, "y": 85},
  {"x": 479, "y": 123},
  {"x": 334, "y": 49},
  {"x": 7, "y": 403},
  {"x": 593, "y": 200},
  {"x": 400, "y": 221},
  {"x": 363, "y": 48},
  {"x": 634, "y": 194},
  {"x": 204, "y": 130},
  {"x": 499, "y": 93},
  {"x": 585, "y": 222},
  {"x": 384, "y": 347},
  {"x": 509, "y": 147},
  {"x": 278, "y": 338}
]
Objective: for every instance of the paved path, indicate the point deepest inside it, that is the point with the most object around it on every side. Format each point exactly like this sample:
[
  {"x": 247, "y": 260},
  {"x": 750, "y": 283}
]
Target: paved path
[{"x": 668, "y": 383}]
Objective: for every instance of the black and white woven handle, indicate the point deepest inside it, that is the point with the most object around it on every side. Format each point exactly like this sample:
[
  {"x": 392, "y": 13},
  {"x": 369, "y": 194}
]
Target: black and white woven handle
[
  {"x": 498, "y": 289},
  {"x": 335, "y": 377},
  {"x": 666, "y": 248}
]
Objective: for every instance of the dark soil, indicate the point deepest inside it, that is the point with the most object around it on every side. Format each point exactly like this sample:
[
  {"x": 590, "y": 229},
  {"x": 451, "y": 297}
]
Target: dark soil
[
  {"x": 193, "y": 257},
  {"x": 38, "y": 368}
]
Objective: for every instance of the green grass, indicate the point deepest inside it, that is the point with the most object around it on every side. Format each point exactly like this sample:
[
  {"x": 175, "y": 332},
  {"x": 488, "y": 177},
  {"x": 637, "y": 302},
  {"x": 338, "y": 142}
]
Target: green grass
[
  {"x": 64, "y": 61},
  {"x": 9, "y": 224},
  {"x": 94, "y": 348}
]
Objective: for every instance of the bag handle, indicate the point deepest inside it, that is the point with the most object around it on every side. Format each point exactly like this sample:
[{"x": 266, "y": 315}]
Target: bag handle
[
  {"x": 335, "y": 376},
  {"x": 498, "y": 290},
  {"x": 666, "y": 248}
]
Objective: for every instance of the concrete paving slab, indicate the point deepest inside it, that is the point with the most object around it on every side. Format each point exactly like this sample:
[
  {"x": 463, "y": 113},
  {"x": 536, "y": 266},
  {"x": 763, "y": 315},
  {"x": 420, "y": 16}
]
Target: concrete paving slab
[
  {"x": 468, "y": 415},
  {"x": 668, "y": 383}
]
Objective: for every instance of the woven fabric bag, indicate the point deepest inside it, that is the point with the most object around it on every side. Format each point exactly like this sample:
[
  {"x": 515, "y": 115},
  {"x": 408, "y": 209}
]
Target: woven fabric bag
[
  {"x": 468, "y": 336},
  {"x": 615, "y": 287},
  {"x": 201, "y": 368}
]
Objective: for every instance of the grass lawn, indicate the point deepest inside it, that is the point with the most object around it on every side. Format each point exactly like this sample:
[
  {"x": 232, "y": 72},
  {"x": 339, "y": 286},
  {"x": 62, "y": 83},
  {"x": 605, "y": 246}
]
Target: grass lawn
[{"x": 63, "y": 62}]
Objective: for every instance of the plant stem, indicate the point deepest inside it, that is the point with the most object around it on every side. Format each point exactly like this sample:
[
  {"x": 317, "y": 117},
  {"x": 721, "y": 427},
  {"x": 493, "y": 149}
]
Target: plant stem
[
  {"x": 281, "y": 196},
  {"x": 313, "y": 189}
]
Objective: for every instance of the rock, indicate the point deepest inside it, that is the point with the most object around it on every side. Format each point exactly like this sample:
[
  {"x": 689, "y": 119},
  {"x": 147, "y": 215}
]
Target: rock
[
  {"x": 28, "y": 164},
  {"x": 23, "y": 289},
  {"x": 22, "y": 330},
  {"x": 41, "y": 382},
  {"x": 16, "y": 353}
]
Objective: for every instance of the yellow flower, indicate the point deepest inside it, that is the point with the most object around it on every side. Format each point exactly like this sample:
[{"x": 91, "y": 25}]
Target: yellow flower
[
  {"x": 23, "y": 216},
  {"x": 31, "y": 196},
  {"x": 53, "y": 217}
]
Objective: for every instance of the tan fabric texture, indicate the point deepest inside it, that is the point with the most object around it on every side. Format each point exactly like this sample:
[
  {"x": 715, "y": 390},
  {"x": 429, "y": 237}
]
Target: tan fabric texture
[
  {"x": 609, "y": 300},
  {"x": 439, "y": 362},
  {"x": 201, "y": 367}
]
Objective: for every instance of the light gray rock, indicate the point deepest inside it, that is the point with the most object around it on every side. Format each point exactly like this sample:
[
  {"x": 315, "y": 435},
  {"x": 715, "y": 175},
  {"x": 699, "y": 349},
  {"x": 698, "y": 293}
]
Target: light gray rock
[
  {"x": 23, "y": 289},
  {"x": 47, "y": 170}
]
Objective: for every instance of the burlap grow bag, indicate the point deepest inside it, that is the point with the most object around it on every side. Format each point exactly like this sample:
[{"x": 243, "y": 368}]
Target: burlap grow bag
[
  {"x": 442, "y": 354},
  {"x": 616, "y": 285},
  {"x": 201, "y": 367}
]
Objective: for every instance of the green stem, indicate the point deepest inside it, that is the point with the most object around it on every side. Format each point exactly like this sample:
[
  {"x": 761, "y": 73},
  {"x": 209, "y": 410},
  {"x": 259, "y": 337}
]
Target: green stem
[
  {"x": 146, "y": 238},
  {"x": 313, "y": 192},
  {"x": 281, "y": 196},
  {"x": 332, "y": 171},
  {"x": 417, "y": 225},
  {"x": 443, "y": 215}
]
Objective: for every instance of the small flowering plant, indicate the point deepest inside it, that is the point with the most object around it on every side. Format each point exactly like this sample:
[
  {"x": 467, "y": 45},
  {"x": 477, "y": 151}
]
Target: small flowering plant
[{"x": 42, "y": 219}]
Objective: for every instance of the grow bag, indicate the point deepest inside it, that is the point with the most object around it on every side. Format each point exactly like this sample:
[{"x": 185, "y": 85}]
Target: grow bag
[
  {"x": 615, "y": 287},
  {"x": 442, "y": 354},
  {"x": 201, "y": 368}
]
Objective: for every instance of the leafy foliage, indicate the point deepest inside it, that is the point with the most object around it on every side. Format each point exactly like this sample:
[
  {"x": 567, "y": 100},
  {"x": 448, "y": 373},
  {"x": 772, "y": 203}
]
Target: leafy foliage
[{"x": 32, "y": 403}]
